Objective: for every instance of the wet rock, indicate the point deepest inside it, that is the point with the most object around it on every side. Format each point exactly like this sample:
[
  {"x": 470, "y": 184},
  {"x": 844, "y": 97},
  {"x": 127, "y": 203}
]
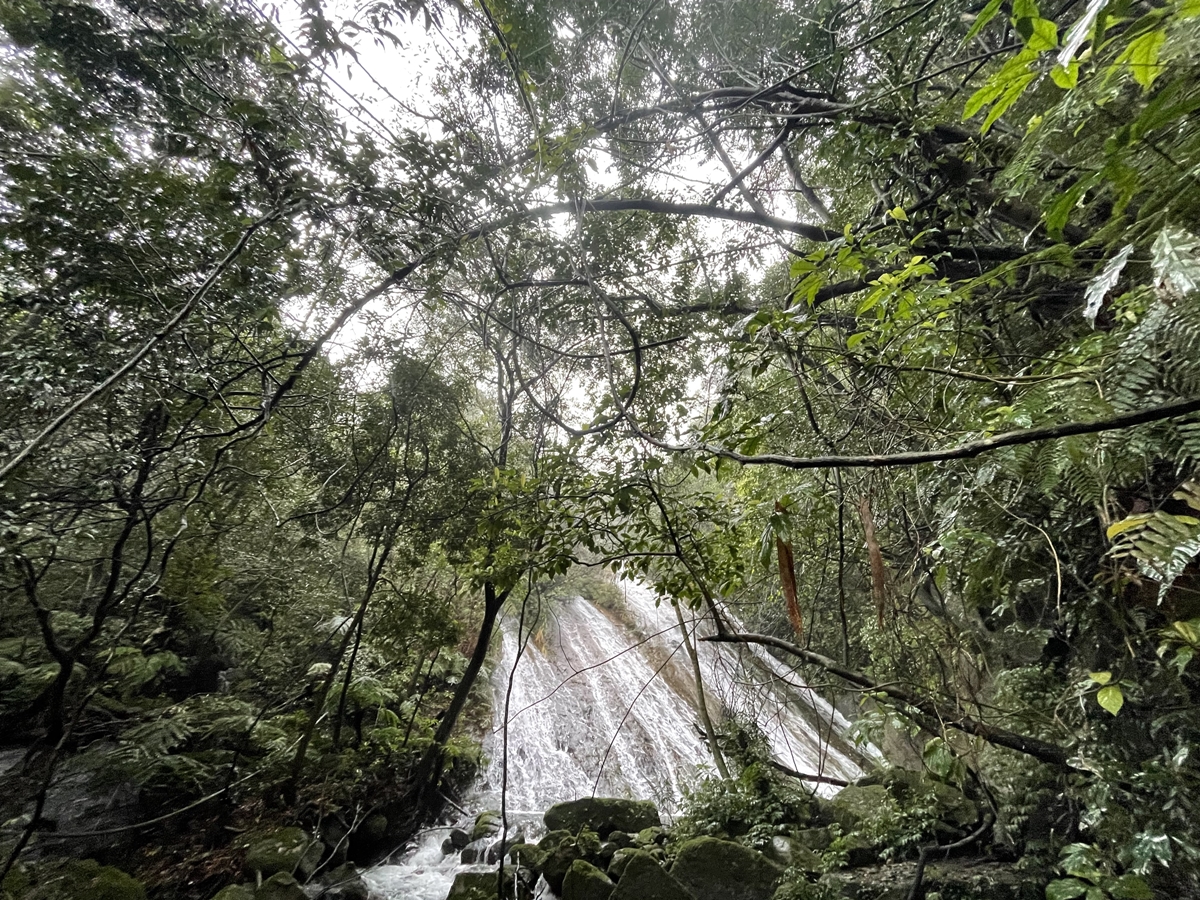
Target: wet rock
[
  {"x": 616, "y": 868},
  {"x": 280, "y": 886},
  {"x": 557, "y": 859},
  {"x": 585, "y": 882},
  {"x": 498, "y": 849},
  {"x": 644, "y": 879},
  {"x": 529, "y": 856},
  {"x": 289, "y": 850},
  {"x": 487, "y": 823},
  {"x": 607, "y": 850},
  {"x": 815, "y": 839},
  {"x": 344, "y": 883},
  {"x": 858, "y": 804},
  {"x": 621, "y": 838},
  {"x": 951, "y": 806},
  {"x": 602, "y": 815},
  {"x": 369, "y": 838},
  {"x": 475, "y": 852},
  {"x": 335, "y": 835},
  {"x": 83, "y": 879},
  {"x": 647, "y": 837},
  {"x": 236, "y": 892},
  {"x": 482, "y": 886},
  {"x": 788, "y": 851},
  {"x": 956, "y": 880},
  {"x": 722, "y": 870},
  {"x": 455, "y": 840}
]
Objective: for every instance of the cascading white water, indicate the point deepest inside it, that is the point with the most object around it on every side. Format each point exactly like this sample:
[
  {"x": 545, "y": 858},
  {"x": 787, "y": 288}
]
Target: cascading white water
[{"x": 605, "y": 703}]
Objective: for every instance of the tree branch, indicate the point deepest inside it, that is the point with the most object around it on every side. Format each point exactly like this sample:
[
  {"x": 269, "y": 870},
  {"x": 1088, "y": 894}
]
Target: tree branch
[{"x": 1001, "y": 737}]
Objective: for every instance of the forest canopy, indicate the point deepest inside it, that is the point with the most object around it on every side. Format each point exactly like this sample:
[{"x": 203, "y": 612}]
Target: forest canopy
[{"x": 869, "y": 332}]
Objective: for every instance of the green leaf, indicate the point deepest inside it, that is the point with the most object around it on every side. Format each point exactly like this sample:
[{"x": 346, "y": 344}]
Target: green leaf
[
  {"x": 1099, "y": 287},
  {"x": 986, "y": 15},
  {"x": 1131, "y": 887},
  {"x": 1189, "y": 9},
  {"x": 1126, "y": 524},
  {"x": 1043, "y": 35},
  {"x": 898, "y": 213},
  {"x": 855, "y": 339},
  {"x": 1065, "y": 889},
  {"x": 1066, "y": 77},
  {"x": 1110, "y": 698},
  {"x": 1100, "y": 677},
  {"x": 1142, "y": 57}
]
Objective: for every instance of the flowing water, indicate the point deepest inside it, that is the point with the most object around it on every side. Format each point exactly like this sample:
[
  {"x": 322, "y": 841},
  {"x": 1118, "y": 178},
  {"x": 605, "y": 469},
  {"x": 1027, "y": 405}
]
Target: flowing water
[{"x": 604, "y": 702}]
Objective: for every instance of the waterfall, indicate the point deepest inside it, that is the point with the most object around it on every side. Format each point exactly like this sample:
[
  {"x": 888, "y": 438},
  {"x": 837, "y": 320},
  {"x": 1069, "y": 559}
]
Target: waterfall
[{"x": 604, "y": 702}]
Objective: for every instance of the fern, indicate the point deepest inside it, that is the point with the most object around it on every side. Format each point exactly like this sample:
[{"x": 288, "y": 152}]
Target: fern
[{"x": 1162, "y": 543}]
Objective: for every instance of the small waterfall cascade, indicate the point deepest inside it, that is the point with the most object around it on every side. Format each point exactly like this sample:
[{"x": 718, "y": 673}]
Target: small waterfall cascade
[{"x": 604, "y": 702}]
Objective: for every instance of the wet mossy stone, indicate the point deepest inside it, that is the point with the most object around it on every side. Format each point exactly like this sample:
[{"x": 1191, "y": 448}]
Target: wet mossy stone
[
  {"x": 557, "y": 861},
  {"x": 280, "y": 886},
  {"x": 455, "y": 840},
  {"x": 585, "y": 882},
  {"x": 290, "y": 850},
  {"x": 648, "y": 837},
  {"x": 644, "y": 879},
  {"x": 482, "y": 885},
  {"x": 722, "y": 870},
  {"x": 602, "y": 815},
  {"x": 616, "y": 867},
  {"x": 236, "y": 892},
  {"x": 83, "y": 879},
  {"x": 857, "y": 804},
  {"x": 621, "y": 838},
  {"x": 344, "y": 883},
  {"x": 487, "y": 823},
  {"x": 528, "y": 856},
  {"x": 815, "y": 839},
  {"x": 790, "y": 852}
]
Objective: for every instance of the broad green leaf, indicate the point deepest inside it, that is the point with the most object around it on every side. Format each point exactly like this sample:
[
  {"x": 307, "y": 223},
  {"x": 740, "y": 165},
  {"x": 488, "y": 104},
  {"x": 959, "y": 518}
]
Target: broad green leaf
[
  {"x": 855, "y": 339},
  {"x": 1010, "y": 96},
  {"x": 1100, "y": 677},
  {"x": 1142, "y": 57},
  {"x": 1043, "y": 35},
  {"x": 1189, "y": 9},
  {"x": 1065, "y": 889},
  {"x": 1131, "y": 887},
  {"x": 1111, "y": 698},
  {"x": 898, "y": 213},
  {"x": 1099, "y": 286},
  {"x": 1066, "y": 77},
  {"x": 1176, "y": 261}
]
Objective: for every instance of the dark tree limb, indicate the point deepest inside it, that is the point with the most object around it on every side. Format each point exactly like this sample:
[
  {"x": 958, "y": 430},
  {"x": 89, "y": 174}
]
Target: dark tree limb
[
  {"x": 929, "y": 712},
  {"x": 969, "y": 450}
]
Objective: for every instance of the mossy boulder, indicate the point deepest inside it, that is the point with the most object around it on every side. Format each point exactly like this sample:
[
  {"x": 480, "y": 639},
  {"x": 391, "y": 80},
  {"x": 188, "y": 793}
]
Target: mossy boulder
[
  {"x": 486, "y": 824},
  {"x": 723, "y": 870},
  {"x": 288, "y": 850},
  {"x": 616, "y": 866},
  {"x": 650, "y": 836},
  {"x": 529, "y": 856},
  {"x": 280, "y": 886},
  {"x": 602, "y": 815},
  {"x": 585, "y": 882},
  {"x": 815, "y": 839},
  {"x": 482, "y": 885},
  {"x": 789, "y": 852},
  {"x": 82, "y": 879},
  {"x": 860, "y": 804},
  {"x": 236, "y": 892},
  {"x": 645, "y": 879},
  {"x": 344, "y": 883}
]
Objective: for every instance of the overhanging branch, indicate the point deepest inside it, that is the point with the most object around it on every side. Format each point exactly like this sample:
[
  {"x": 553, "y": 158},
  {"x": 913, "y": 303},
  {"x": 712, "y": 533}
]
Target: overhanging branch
[
  {"x": 968, "y": 450},
  {"x": 927, "y": 710}
]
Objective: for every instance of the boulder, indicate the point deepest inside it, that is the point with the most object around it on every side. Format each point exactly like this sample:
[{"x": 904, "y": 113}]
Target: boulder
[
  {"x": 814, "y": 839},
  {"x": 486, "y": 824},
  {"x": 529, "y": 856},
  {"x": 498, "y": 849},
  {"x": 475, "y": 852},
  {"x": 648, "y": 837},
  {"x": 280, "y": 886},
  {"x": 369, "y": 838},
  {"x": 482, "y": 886},
  {"x": 723, "y": 870},
  {"x": 457, "y": 838},
  {"x": 335, "y": 835},
  {"x": 966, "y": 880},
  {"x": 602, "y": 815},
  {"x": 236, "y": 892},
  {"x": 789, "y": 852},
  {"x": 289, "y": 850},
  {"x": 557, "y": 860},
  {"x": 621, "y": 838},
  {"x": 644, "y": 879},
  {"x": 585, "y": 882},
  {"x": 344, "y": 883},
  {"x": 78, "y": 879},
  {"x": 616, "y": 867},
  {"x": 858, "y": 804}
]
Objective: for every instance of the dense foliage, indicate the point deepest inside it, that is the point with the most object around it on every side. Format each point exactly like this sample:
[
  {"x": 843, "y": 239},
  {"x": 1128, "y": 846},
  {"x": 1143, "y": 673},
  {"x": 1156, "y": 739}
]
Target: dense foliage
[{"x": 873, "y": 329}]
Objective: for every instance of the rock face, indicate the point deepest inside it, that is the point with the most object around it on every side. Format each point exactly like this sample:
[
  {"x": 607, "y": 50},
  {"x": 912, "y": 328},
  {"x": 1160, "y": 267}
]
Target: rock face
[
  {"x": 288, "y": 850},
  {"x": 722, "y": 870},
  {"x": 602, "y": 815},
  {"x": 280, "y": 886},
  {"x": 585, "y": 882},
  {"x": 645, "y": 879},
  {"x": 859, "y": 804},
  {"x": 482, "y": 886}
]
